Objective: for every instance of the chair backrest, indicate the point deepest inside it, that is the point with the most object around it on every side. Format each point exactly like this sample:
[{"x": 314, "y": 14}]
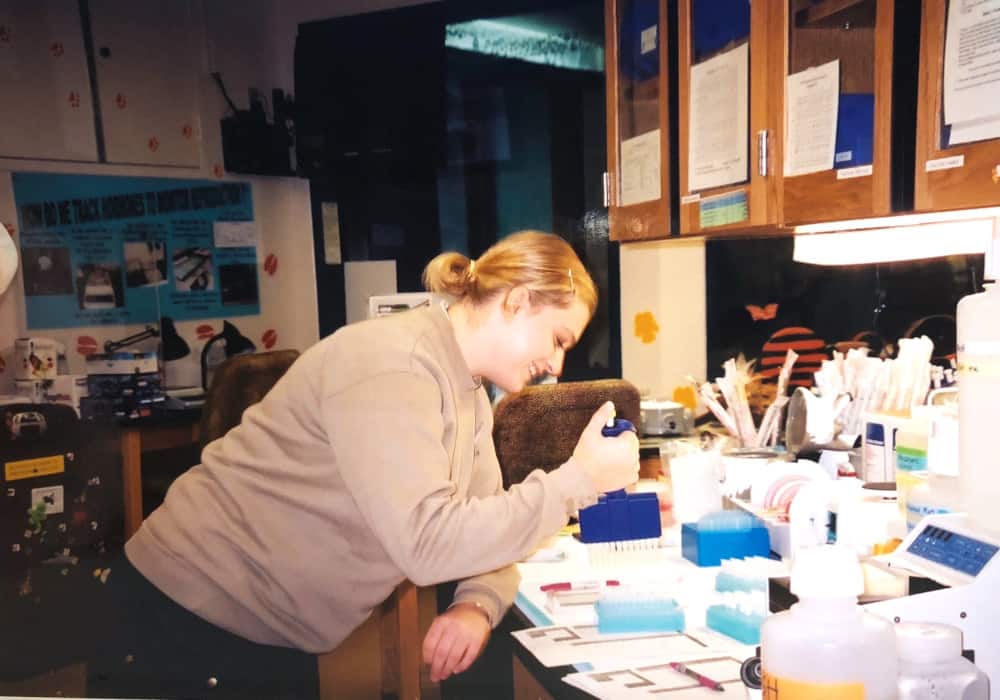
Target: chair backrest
[
  {"x": 237, "y": 384},
  {"x": 538, "y": 427}
]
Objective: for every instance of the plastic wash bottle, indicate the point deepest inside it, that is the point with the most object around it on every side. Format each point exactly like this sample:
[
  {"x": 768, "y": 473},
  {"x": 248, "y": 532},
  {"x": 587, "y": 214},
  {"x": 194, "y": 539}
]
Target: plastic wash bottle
[
  {"x": 978, "y": 339},
  {"x": 827, "y": 647}
]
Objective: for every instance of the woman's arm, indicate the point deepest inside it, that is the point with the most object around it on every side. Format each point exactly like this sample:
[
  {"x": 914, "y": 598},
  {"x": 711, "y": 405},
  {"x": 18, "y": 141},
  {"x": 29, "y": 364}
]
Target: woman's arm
[{"x": 386, "y": 432}]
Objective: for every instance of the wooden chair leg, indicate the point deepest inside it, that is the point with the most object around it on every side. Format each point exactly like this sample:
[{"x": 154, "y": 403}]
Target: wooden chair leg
[{"x": 401, "y": 644}]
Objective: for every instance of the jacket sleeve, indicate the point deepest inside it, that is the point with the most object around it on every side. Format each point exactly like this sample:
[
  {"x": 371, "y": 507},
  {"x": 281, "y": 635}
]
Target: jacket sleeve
[
  {"x": 495, "y": 590},
  {"x": 386, "y": 436}
]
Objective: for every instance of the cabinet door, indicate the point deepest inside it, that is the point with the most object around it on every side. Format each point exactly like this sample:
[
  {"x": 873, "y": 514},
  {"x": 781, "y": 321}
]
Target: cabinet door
[
  {"x": 958, "y": 117},
  {"x": 838, "y": 109},
  {"x": 44, "y": 82},
  {"x": 638, "y": 110},
  {"x": 148, "y": 61},
  {"x": 727, "y": 102}
]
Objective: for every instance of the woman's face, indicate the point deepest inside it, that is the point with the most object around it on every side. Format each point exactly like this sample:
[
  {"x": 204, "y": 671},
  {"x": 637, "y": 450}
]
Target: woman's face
[{"x": 534, "y": 340}]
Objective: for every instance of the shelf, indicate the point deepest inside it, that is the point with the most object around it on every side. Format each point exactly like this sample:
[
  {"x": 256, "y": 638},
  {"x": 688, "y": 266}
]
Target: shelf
[{"x": 836, "y": 13}]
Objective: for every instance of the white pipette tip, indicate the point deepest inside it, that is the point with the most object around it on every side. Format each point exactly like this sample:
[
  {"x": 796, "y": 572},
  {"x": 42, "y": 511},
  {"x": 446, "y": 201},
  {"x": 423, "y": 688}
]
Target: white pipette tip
[{"x": 611, "y": 419}]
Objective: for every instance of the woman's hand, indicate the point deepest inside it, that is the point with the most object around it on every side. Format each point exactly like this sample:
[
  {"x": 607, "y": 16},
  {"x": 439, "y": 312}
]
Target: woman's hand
[
  {"x": 455, "y": 639},
  {"x": 611, "y": 462}
]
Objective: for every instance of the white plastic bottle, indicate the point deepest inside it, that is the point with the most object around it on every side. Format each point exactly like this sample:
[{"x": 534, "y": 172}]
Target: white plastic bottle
[
  {"x": 827, "y": 647},
  {"x": 978, "y": 336},
  {"x": 931, "y": 665}
]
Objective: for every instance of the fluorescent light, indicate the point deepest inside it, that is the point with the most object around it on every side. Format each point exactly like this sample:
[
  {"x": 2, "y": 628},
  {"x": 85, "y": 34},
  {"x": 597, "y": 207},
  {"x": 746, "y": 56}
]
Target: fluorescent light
[
  {"x": 900, "y": 220},
  {"x": 908, "y": 242}
]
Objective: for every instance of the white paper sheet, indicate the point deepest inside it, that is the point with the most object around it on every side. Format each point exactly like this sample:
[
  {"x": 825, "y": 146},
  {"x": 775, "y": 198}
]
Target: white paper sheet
[
  {"x": 719, "y": 120},
  {"x": 331, "y": 233},
  {"x": 561, "y": 645},
  {"x": 811, "y": 119},
  {"x": 640, "y": 168},
  {"x": 979, "y": 130},
  {"x": 662, "y": 680},
  {"x": 972, "y": 61},
  {"x": 234, "y": 234}
]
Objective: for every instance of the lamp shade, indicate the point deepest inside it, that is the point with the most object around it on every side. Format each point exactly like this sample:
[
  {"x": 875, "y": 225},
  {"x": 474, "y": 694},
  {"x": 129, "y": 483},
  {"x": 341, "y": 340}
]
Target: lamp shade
[{"x": 174, "y": 346}]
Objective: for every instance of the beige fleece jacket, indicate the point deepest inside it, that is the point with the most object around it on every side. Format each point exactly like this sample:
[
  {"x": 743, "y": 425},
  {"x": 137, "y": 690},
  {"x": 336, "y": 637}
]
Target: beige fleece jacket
[{"x": 371, "y": 461}]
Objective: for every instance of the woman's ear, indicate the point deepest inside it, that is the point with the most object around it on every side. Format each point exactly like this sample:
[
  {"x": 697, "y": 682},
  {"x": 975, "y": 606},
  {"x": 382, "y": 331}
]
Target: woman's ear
[{"x": 517, "y": 299}]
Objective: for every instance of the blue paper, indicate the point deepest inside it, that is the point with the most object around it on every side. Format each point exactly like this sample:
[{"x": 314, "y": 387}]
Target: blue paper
[
  {"x": 716, "y": 24},
  {"x": 639, "y": 41},
  {"x": 855, "y": 130}
]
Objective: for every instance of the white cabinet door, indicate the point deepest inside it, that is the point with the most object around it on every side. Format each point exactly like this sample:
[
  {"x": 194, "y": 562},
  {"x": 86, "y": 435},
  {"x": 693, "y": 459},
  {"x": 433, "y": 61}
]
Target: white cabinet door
[
  {"x": 46, "y": 109},
  {"x": 148, "y": 59}
]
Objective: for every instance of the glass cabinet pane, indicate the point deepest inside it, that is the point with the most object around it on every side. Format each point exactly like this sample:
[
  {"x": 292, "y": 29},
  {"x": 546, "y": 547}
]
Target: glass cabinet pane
[
  {"x": 639, "y": 101},
  {"x": 970, "y": 110},
  {"x": 719, "y": 104},
  {"x": 830, "y": 86}
]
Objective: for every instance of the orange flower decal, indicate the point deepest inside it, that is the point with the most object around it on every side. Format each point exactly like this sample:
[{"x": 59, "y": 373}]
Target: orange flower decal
[{"x": 646, "y": 326}]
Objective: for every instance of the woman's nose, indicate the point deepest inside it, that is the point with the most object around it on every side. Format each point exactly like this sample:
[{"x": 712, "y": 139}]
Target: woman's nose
[{"x": 556, "y": 363}]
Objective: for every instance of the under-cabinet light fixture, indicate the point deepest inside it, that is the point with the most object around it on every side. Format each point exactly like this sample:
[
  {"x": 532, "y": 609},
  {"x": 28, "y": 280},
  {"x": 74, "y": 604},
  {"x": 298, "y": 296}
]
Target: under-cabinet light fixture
[{"x": 895, "y": 238}]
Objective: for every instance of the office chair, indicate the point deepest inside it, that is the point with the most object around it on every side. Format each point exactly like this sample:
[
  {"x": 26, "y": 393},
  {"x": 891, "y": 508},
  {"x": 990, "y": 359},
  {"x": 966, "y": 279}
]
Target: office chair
[
  {"x": 237, "y": 384},
  {"x": 538, "y": 427}
]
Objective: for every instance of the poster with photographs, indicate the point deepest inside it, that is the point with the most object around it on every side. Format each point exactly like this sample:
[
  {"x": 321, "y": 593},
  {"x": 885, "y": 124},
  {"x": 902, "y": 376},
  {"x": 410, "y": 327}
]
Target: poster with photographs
[{"x": 101, "y": 250}]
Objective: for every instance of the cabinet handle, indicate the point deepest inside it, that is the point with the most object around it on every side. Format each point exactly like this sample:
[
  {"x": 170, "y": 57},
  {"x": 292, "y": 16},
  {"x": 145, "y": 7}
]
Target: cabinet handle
[
  {"x": 606, "y": 183},
  {"x": 762, "y": 163}
]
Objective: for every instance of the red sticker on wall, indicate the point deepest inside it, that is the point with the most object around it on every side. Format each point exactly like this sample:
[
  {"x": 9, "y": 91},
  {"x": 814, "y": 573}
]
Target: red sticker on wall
[
  {"x": 74, "y": 99},
  {"x": 269, "y": 338},
  {"x": 121, "y": 102},
  {"x": 86, "y": 345},
  {"x": 271, "y": 264},
  {"x": 56, "y": 48},
  {"x": 187, "y": 131},
  {"x": 204, "y": 331},
  {"x": 154, "y": 143}
]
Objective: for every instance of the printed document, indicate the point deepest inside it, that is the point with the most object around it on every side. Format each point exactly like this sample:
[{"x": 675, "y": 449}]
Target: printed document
[
  {"x": 719, "y": 120},
  {"x": 811, "y": 125},
  {"x": 972, "y": 61}
]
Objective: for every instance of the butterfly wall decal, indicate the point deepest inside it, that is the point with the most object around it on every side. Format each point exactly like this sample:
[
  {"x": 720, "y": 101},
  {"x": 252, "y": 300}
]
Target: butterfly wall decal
[{"x": 762, "y": 313}]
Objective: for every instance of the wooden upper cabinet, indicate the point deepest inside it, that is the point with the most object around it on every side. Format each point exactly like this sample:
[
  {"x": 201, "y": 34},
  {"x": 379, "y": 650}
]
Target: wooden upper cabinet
[
  {"x": 836, "y": 82},
  {"x": 637, "y": 118},
  {"x": 958, "y": 119},
  {"x": 729, "y": 156}
]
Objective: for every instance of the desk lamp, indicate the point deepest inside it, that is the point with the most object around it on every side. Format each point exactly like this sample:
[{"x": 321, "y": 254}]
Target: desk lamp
[{"x": 220, "y": 347}]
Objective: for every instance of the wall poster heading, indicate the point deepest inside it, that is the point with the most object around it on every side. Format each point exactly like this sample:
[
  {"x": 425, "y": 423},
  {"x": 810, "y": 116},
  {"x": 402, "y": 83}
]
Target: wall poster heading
[{"x": 102, "y": 250}]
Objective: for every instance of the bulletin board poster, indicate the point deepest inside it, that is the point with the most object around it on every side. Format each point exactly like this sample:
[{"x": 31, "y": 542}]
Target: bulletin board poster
[{"x": 106, "y": 250}]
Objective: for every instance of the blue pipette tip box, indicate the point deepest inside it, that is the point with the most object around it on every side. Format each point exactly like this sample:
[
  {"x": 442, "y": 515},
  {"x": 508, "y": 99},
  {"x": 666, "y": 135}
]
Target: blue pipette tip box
[
  {"x": 639, "y": 615},
  {"x": 733, "y": 623},
  {"x": 706, "y": 543}
]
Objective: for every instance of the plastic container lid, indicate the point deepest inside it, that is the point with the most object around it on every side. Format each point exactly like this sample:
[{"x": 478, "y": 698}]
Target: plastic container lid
[
  {"x": 827, "y": 571},
  {"x": 924, "y": 642}
]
